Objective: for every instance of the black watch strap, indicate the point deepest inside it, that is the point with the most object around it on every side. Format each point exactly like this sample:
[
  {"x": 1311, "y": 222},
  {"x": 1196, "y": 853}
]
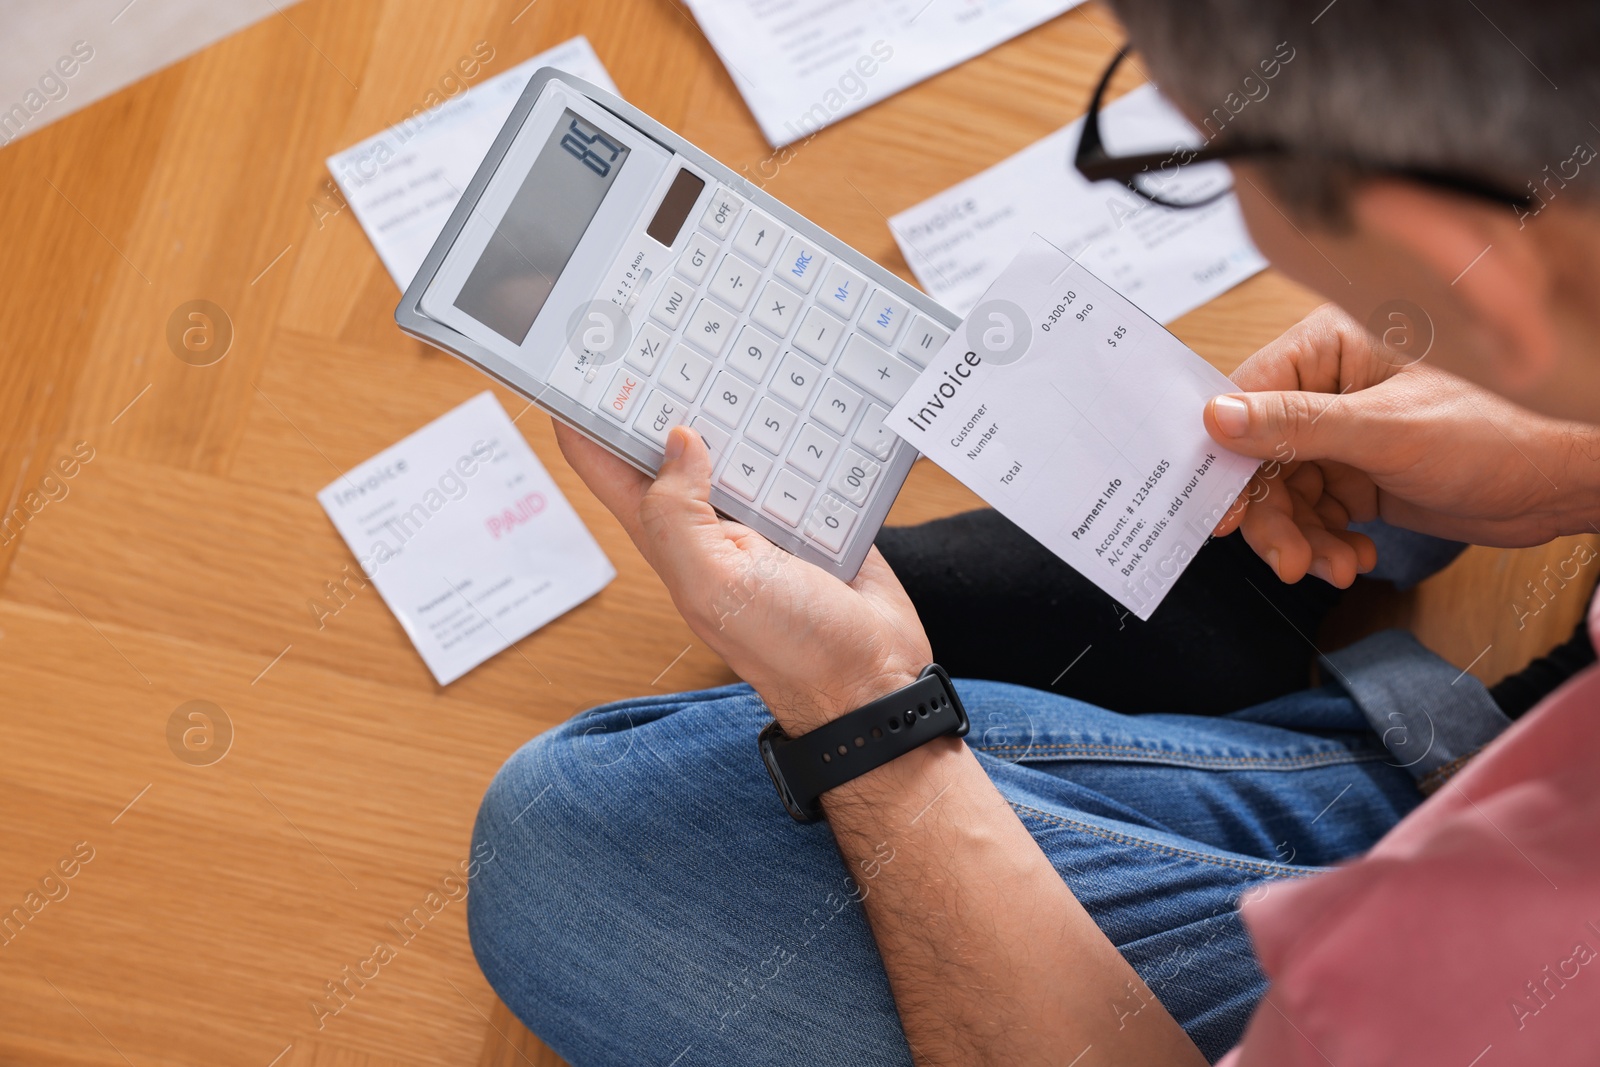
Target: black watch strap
[{"x": 805, "y": 767}]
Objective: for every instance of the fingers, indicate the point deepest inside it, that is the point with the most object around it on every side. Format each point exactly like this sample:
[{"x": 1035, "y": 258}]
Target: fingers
[
  {"x": 680, "y": 532},
  {"x": 611, "y": 479}
]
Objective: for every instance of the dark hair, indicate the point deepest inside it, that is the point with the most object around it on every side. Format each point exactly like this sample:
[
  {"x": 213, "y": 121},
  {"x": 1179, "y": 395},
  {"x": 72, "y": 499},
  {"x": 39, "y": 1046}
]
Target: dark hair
[{"x": 1505, "y": 90}]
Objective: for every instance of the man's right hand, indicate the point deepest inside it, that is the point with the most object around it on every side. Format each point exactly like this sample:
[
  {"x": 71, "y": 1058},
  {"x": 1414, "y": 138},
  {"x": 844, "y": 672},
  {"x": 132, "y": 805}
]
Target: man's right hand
[{"x": 1349, "y": 434}]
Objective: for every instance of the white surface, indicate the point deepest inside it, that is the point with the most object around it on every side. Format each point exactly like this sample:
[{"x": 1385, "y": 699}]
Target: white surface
[
  {"x": 403, "y": 183},
  {"x": 803, "y": 64},
  {"x": 127, "y": 42},
  {"x": 471, "y": 555},
  {"x": 1167, "y": 262},
  {"x": 1069, "y": 441}
]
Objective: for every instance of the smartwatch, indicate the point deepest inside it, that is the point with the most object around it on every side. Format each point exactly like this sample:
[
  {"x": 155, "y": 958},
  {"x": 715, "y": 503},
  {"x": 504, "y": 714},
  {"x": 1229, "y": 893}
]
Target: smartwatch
[{"x": 805, "y": 767}]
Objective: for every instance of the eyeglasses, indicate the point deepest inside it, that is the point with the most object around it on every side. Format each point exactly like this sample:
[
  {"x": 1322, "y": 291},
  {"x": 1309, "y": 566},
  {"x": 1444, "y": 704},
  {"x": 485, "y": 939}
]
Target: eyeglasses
[{"x": 1150, "y": 174}]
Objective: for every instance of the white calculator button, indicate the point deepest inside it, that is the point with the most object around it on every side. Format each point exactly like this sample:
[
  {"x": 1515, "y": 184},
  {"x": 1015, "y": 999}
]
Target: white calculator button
[
  {"x": 794, "y": 381},
  {"x": 883, "y": 316},
  {"x": 753, "y": 354},
  {"x": 837, "y": 406},
  {"x": 787, "y": 499},
  {"x": 818, "y": 334},
  {"x": 776, "y": 309},
  {"x": 830, "y": 523},
  {"x": 812, "y": 452},
  {"x": 923, "y": 340},
  {"x": 645, "y": 352},
  {"x": 716, "y": 438},
  {"x": 728, "y": 400},
  {"x": 673, "y": 304},
  {"x": 800, "y": 264},
  {"x": 721, "y": 213},
  {"x": 884, "y": 376},
  {"x": 747, "y": 469},
  {"x": 659, "y": 415},
  {"x": 759, "y": 238},
  {"x": 626, "y": 389},
  {"x": 872, "y": 435},
  {"x": 855, "y": 477},
  {"x": 734, "y": 283},
  {"x": 770, "y": 425},
  {"x": 695, "y": 263},
  {"x": 710, "y": 327},
  {"x": 685, "y": 372},
  {"x": 841, "y": 291}
]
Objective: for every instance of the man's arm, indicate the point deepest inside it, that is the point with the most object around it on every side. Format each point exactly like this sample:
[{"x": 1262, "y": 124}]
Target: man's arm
[{"x": 990, "y": 957}]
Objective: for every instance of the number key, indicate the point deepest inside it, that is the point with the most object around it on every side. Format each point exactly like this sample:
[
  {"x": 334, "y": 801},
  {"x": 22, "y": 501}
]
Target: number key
[
  {"x": 830, "y": 523},
  {"x": 788, "y": 497},
  {"x": 753, "y": 354},
  {"x": 812, "y": 452},
  {"x": 770, "y": 425},
  {"x": 746, "y": 471},
  {"x": 855, "y": 477},
  {"x": 837, "y": 406},
  {"x": 728, "y": 400},
  {"x": 794, "y": 380}
]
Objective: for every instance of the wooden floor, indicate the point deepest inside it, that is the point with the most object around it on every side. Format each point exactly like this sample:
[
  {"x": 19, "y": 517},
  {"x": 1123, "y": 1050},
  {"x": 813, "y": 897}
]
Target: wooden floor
[{"x": 179, "y": 562}]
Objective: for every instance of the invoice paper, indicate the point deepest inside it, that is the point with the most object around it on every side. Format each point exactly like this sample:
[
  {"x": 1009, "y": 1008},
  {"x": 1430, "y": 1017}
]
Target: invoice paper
[
  {"x": 466, "y": 537},
  {"x": 1080, "y": 419},
  {"x": 803, "y": 64},
  {"x": 403, "y": 183},
  {"x": 1165, "y": 261}
]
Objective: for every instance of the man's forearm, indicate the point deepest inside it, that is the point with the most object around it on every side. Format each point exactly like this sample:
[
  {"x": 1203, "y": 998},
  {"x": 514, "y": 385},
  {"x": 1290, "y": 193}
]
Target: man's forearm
[{"x": 991, "y": 958}]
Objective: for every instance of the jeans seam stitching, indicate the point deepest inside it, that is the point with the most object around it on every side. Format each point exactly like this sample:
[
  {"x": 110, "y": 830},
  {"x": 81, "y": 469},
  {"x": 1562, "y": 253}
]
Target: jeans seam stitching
[
  {"x": 1315, "y": 759},
  {"x": 1272, "y": 870}
]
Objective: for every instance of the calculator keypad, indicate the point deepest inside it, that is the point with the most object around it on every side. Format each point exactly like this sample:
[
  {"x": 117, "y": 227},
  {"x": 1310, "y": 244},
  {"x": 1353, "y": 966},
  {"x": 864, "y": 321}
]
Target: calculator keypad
[{"x": 785, "y": 361}]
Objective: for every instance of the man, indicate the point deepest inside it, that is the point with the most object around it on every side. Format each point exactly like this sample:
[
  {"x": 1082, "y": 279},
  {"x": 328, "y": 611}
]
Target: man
[{"x": 1063, "y": 886}]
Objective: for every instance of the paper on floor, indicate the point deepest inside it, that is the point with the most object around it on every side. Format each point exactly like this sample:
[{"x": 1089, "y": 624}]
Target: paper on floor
[
  {"x": 403, "y": 183},
  {"x": 1165, "y": 261},
  {"x": 803, "y": 65},
  {"x": 466, "y": 537},
  {"x": 1080, "y": 419}
]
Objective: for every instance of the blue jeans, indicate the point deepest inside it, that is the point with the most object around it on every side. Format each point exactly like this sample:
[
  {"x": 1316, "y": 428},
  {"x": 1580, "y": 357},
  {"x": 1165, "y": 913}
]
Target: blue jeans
[{"x": 649, "y": 901}]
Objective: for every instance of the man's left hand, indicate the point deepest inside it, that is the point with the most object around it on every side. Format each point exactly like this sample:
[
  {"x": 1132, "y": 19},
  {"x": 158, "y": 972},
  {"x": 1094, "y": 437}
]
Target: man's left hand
[{"x": 812, "y": 646}]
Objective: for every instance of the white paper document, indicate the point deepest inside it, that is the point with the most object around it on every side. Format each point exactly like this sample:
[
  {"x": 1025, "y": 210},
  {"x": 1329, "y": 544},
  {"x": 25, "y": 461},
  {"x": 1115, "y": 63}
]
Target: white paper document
[
  {"x": 1080, "y": 419},
  {"x": 466, "y": 537},
  {"x": 803, "y": 64},
  {"x": 1166, "y": 261},
  {"x": 403, "y": 183}
]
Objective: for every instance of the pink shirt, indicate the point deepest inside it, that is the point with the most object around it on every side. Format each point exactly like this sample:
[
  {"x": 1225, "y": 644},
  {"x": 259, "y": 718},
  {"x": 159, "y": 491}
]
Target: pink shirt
[{"x": 1470, "y": 935}]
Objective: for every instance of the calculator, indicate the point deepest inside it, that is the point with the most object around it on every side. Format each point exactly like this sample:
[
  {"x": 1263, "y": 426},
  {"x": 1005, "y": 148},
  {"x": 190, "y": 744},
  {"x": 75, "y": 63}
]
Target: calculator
[{"x": 626, "y": 282}]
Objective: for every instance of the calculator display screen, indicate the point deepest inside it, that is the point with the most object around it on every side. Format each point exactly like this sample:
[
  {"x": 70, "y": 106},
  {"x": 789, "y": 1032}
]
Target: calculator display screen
[{"x": 542, "y": 227}]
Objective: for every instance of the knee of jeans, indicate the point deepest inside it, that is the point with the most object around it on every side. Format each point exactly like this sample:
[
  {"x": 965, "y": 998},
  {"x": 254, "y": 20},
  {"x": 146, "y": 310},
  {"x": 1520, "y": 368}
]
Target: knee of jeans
[{"x": 560, "y": 824}]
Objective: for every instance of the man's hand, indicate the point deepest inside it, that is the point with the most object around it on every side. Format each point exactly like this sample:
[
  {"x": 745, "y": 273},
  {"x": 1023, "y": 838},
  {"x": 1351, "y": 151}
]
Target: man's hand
[
  {"x": 1350, "y": 434},
  {"x": 813, "y": 647}
]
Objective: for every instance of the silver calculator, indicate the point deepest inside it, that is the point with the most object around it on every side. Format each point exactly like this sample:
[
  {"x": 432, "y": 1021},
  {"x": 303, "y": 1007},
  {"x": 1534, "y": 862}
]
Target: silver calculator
[{"x": 627, "y": 283}]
